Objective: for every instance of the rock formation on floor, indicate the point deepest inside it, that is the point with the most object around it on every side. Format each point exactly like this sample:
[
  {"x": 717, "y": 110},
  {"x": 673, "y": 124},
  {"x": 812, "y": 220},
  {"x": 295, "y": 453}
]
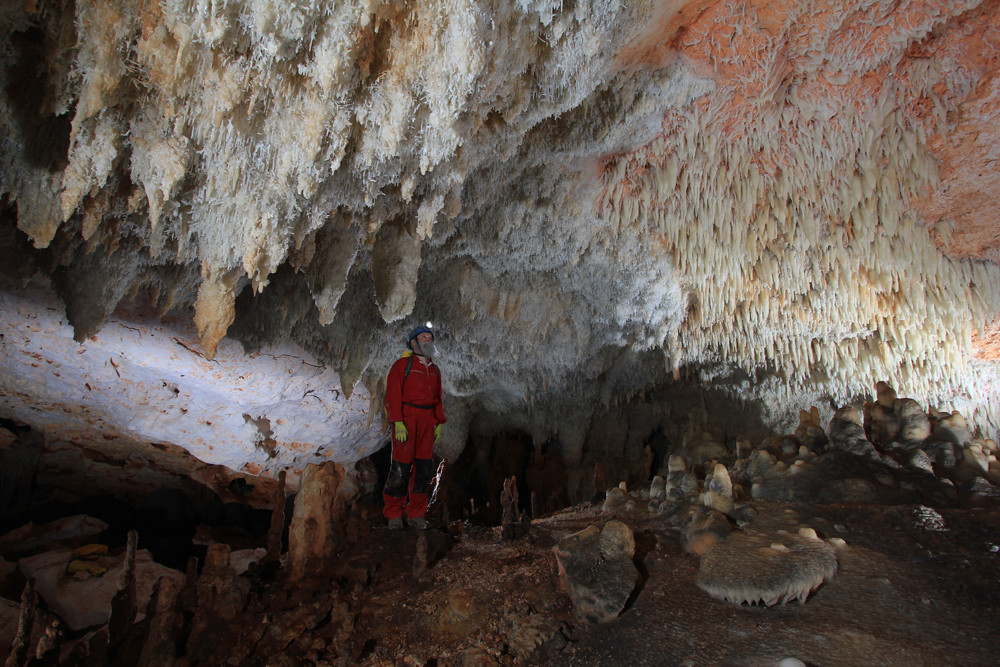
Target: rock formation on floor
[
  {"x": 596, "y": 569},
  {"x": 891, "y": 576},
  {"x": 768, "y": 568}
]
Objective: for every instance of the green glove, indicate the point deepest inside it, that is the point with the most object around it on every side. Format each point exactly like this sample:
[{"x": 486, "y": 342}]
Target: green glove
[
  {"x": 437, "y": 432},
  {"x": 401, "y": 433}
]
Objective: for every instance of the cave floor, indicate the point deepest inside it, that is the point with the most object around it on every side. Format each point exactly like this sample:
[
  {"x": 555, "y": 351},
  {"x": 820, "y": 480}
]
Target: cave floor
[{"x": 913, "y": 587}]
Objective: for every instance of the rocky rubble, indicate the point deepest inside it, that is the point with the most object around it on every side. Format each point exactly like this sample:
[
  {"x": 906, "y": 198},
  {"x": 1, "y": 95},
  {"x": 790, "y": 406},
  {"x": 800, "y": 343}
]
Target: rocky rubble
[
  {"x": 596, "y": 569},
  {"x": 883, "y": 556}
]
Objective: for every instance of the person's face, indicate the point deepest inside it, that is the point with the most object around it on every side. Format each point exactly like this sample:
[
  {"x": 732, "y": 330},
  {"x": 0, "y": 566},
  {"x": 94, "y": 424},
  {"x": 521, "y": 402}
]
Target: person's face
[{"x": 422, "y": 339}]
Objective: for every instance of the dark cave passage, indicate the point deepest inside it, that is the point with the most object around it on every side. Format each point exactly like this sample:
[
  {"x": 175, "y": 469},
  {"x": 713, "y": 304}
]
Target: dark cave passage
[{"x": 174, "y": 523}]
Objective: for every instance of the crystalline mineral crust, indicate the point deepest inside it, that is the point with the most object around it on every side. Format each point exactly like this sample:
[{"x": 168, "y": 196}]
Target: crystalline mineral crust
[{"x": 591, "y": 201}]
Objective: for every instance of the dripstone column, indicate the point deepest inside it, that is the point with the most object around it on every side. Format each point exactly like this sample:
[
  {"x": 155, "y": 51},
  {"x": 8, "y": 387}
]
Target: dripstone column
[{"x": 312, "y": 537}]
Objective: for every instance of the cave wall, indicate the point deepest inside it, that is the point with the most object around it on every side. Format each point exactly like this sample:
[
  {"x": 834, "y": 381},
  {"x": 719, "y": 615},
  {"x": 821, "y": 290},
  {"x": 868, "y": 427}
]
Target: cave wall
[{"x": 593, "y": 202}]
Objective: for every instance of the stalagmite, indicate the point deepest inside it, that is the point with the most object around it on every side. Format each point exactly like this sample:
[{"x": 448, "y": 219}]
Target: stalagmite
[
  {"x": 509, "y": 505},
  {"x": 718, "y": 492},
  {"x": 221, "y": 596},
  {"x": 20, "y": 648},
  {"x": 312, "y": 535},
  {"x": 47, "y": 652},
  {"x": 123, "y": 605},
  {"x": 277, "y": 525},
  {"x": 165, "y": 626}
]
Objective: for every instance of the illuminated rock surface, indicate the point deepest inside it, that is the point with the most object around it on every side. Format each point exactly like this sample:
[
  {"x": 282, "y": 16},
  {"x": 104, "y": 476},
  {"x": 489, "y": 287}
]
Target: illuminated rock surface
[
  {"x": 86, "y": 601},
  {"x": 148, "y": 382},
  {"x": 600, "y": 206}
]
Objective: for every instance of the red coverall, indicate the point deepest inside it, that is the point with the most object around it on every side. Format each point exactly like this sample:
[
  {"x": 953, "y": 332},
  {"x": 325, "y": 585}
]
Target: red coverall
[{"x": 417, "y": 403}]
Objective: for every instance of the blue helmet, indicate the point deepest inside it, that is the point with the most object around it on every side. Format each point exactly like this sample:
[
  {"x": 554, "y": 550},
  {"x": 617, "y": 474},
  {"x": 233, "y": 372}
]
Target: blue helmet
[{"x": 416, "y": 332}]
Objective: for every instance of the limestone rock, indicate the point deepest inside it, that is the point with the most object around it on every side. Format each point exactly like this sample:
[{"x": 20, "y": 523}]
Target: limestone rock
[
  {"x": 681, "y": 484},
  {"x": 744, "y": 446},
  {"x": 221, "y": 597},
  {"x": 616, "y": 542},
  {"x": 883, "y": 425},
  {"x": 242, "y": 559},
  {"x": 597, "y": 571},
  {"x": 920, "y": 459},
  {"x": 70, "y": 531},
  {"x": 701, "y": 447},
  {"x": 742, "y": 514},
  {"x": 914, "y": 425},
  {"x": 312, "y": 535},
  {"x": 979, "y": 490},
  {"x": 6, "y": 568},
  {"x": 287, "y": 625},
  {"x": 615, "y": 500},
  {"x": 21, "y": 625},
  {"x": 706, "y": 528},
  {"x": 758, "y": 464},
  {"x": 215, "y": 308},
  {"x": 954, "y": 429},
  {"x": 847, "y": 433},
  {"x": 166, "y": 622},
  {"x": 885, "y": 395},
  {"x": 718, "y": 492},
  {"x": 839, "y": 477},
  {"x": 163, "y": 391},
  {"x": 658, "y": 488},
  {"x": 810, "y": 432},
  {"x": 943, "y": 454},
  {"x": 975, "y": 457},
  {"x": 532, "y": 635},
  {"x": 800, "y": 481},
  {"x": 767, "y": 568},
  {"x": 395, "y": 262},
  {"x": 86, "y": 602}
]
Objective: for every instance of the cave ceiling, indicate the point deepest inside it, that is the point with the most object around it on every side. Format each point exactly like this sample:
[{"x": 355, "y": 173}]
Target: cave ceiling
[{"x": 220, "y": 218}]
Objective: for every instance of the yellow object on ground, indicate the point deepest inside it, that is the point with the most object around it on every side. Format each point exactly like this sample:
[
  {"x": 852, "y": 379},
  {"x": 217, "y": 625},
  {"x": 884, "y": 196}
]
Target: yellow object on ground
[
  {"x": 90, "y": 550},
  {"x": 90, "y": 567}
]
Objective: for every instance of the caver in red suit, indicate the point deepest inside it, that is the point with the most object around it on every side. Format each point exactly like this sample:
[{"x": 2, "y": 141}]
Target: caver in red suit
[{"x": 413, "y": 397}]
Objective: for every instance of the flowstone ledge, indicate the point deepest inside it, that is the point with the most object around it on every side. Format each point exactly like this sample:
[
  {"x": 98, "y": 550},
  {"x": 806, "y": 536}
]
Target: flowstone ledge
[{"x": 768, "y": 569}]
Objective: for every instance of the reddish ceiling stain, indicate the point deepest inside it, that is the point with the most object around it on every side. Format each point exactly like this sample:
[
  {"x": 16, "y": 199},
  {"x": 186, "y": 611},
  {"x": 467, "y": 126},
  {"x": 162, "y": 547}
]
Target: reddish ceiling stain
[
  {"x": 655, "y": 47},
  {"x": 756, "y": 57},
  {"x": 988, "y": 345}
]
